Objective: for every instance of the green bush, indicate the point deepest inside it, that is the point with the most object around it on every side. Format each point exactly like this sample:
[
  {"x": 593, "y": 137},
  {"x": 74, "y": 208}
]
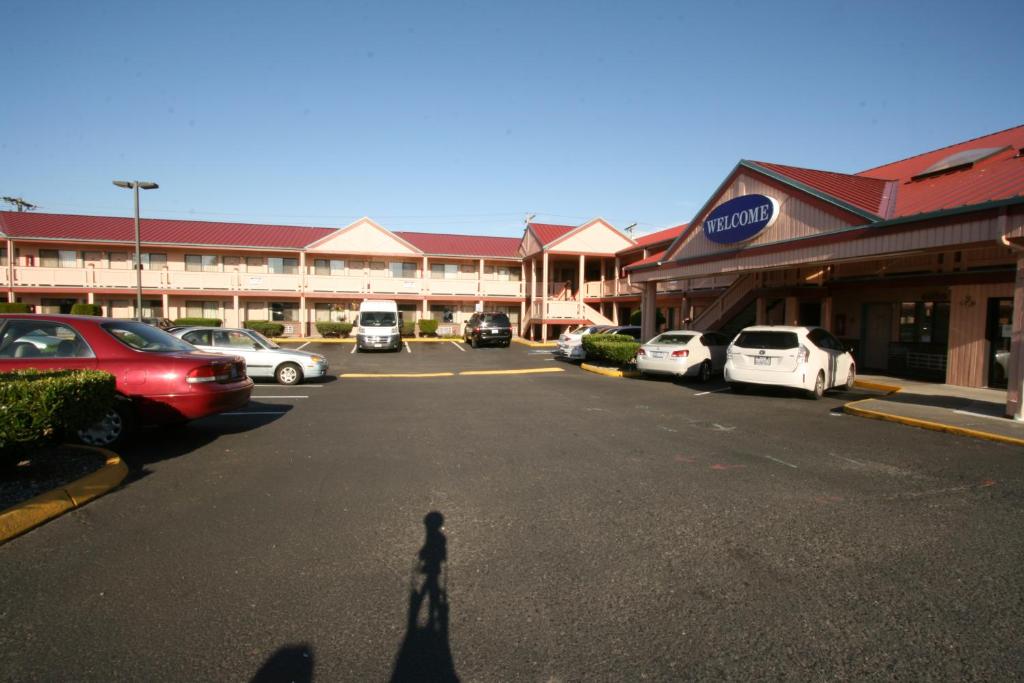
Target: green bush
[
  {"x": 618, "y": 349},
  {"x": 408, "y": 328},
  {"x": 333, "y": 329},
  {"x": 198, "y": 322},
  {"x": 86, "y": 309},
  {"x": 427, "y": 326},
  {"x": 267, "y": 328},
  {"x": 38, "y": 408},
  {"x": 635, "y": 317},
  {"x": 14, "y": 307}
]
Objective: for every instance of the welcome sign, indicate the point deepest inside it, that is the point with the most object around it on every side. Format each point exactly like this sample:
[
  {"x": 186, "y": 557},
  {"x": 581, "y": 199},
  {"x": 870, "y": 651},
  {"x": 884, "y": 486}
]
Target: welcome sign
[{"x": 740, "y": 219}]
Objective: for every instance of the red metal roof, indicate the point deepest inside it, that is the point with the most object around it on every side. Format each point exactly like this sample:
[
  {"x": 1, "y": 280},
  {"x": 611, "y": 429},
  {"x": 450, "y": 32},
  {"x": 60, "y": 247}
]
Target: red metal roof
[
  {"x": 157, "y": 231},
  {"x": 549, "y": 232},
  {"x": 666, "y": 235},
  {"x": 1000, "y": 176},
  {"x": 463, "y": 245},
  {"x": 863, "y": 192},
  {"x": 653, "y": 258}
]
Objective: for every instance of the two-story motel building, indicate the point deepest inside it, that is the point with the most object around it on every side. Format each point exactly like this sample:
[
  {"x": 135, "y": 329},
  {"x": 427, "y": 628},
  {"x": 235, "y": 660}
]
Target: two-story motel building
[{"x": 917, "y": 264}]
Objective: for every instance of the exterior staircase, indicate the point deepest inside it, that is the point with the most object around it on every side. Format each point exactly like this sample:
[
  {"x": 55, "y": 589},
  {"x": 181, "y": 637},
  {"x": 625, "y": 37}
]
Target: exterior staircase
[{"x": 727, "y": 305}]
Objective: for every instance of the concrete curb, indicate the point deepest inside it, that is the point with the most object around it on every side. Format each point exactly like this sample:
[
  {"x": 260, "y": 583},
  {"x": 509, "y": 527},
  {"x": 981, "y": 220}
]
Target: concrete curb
[
  {"x": 351, "y": 340},
  {"x": 44, "y": 507},
  {"x": 853, "y": 409},
  {"x": 534, "y": 344},
  {"x": 609, "y": 372}
]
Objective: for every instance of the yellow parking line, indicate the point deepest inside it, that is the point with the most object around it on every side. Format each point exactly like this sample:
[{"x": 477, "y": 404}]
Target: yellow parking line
[
  {"x": 367, "y": 375},
  {"x": 531, "y": 371}
]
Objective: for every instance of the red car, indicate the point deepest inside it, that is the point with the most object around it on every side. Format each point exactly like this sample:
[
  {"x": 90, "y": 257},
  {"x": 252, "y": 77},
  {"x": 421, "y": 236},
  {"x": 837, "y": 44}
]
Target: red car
[{"x": 160, "y": 379}]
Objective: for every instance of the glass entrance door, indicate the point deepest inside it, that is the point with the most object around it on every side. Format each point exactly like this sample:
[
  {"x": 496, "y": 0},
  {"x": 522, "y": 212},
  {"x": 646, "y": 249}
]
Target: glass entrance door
[{"x": 1000, "y": 322}]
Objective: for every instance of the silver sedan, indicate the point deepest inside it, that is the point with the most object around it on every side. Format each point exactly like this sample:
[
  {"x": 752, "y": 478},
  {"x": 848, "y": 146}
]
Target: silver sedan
[{"x": 263, "y": 358}]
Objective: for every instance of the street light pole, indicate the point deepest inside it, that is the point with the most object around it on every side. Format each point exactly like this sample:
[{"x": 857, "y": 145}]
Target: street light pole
[{"x": 136, "y": 185}]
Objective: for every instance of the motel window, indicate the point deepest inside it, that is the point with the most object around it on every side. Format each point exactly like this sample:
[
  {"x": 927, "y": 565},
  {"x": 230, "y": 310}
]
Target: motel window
[
  {"x": 53, "y": 306},
  {"x": 152, "y": 308},
  {"x": 325, "y": 312},
  {"x": 120, "y": 308},
  {"x": 119, "y": 260},
  {"x": 925, "y": 322},
  {"x": 202, "y": 262},
  {"x": 377, "y": 268},
  {"x": 253, "y": 263},
  {"x": 444, "y": 271},
  {"x": 152, "y": 261},
  {"x": 53, "y": 258},
  {"x": 506, "y": 274},
  {"x": 402, "y": 269},
  {"x": 3, "y": 256},
  {"x": 202, "y": 309},
  {"x": 232, "y": 261},
  {"x": 283, "y": 266},
  {"x": 356, "y": 267},
  {"x": 284, "y": 311},
  {"x": 323, "y": 266},
  {"x": 92, "y": 258}
]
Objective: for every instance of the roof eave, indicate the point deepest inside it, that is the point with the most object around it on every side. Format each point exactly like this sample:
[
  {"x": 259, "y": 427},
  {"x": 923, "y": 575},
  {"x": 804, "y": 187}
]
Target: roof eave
[{"x": 814, "y": 192}]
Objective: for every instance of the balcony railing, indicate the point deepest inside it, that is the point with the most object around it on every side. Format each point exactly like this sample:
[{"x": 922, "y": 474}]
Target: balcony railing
[
  {"x": 100, "y": 278},
  {"x": 556, "y": 310}
]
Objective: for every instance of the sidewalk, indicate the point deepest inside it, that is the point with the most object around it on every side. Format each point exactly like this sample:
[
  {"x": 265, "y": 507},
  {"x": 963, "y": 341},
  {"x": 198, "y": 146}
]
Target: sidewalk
[{"x": 959, "y": 410}]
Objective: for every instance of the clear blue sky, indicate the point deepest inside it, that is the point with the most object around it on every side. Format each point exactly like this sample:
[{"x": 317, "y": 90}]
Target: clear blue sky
[{"x": 464, "y": 116}]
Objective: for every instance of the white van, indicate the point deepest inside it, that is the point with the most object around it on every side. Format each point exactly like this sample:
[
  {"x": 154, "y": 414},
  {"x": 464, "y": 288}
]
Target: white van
[{"x": 378, "y": 326}]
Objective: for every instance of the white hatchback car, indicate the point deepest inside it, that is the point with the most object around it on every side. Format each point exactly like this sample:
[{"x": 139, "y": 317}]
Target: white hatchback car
[
  {"x": 683, "y": 353},
  {"x": 807, "y": 358}
]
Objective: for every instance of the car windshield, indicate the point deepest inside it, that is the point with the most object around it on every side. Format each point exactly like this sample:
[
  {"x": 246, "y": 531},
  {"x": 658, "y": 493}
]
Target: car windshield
[
  {"x": 767, "y": 340},
  {"x": 672, "y": 339},
  {"x": 263, "y": 340},
  {"x": 143, "y": 337},
  {"x": 378, "y": 319},
  {"x": 496, "y": 319}
]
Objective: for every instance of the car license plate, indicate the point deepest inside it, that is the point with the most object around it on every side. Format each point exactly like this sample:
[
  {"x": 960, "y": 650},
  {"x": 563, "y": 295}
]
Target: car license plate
[
  {"x": 658, "y": 354},
  {"x": 762, "y": 360}
]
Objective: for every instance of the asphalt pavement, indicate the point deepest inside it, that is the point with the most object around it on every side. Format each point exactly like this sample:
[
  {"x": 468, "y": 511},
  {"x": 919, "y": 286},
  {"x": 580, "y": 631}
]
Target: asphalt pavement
[{"x": 594, "y": 529}]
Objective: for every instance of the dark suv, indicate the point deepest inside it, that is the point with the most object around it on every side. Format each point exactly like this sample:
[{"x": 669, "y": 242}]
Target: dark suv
[{"x": 488, "y": 328}]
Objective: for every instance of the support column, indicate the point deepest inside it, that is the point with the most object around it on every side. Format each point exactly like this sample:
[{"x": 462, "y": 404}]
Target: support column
[
  {"x": 684, "y": 313},
  {"x": 480, "y": 279},
  {"x": 425, "y": 277},
  {"x": 302, "y": 271},
  {"x": 648, "y": 311},
  {"x": 579, "y": 296},
  {"x": 792, "y": 311},
  {"x": 544, "y": 297},
  {"x": 1015, "y": 371},
  {"x": 90, "y": 298},
  {"x": 826, "y": 313},
  {"x": 303, "y": 316},
  {"x": 165, "y": 304},
  {"x": 617, "y": 271},
  {"x": 236, "y": 302},
  {"x": 522, "y": 318},
  {"x": 761, "y": 317}
]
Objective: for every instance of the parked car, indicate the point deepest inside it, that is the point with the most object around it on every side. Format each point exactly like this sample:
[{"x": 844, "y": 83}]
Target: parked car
[
  {"x": 683, "y": 353},
  {"x": 487, "y": 328},
  {"x": 570, "y": 343},
  {"x": 164, "y": 324},
  {"x": 160, "y": 379},
  {"x": 631, "y": 330},
  {"x": 807, "y": 358},
  {"x": 263, "y": 358},
  {"x": 378, "y": 326}
]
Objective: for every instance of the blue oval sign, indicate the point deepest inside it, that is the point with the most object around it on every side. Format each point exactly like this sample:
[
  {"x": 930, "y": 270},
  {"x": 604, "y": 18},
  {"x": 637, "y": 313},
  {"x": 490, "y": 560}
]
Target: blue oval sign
[{"x": 740, "y": 219}]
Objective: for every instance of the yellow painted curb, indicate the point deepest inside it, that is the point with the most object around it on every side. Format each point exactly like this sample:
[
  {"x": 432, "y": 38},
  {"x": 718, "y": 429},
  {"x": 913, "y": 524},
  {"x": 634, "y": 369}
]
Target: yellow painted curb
[
  {"x": 369, "y": 375},
  {"x": 44, "y": 507},
  {"x": 892, "y": 389},
  {"x": 925, "y": 424},
  {"x": 534, "y": 344},
  {"x": 531, "y": 371},
  {"x": 609, "y": 372}
]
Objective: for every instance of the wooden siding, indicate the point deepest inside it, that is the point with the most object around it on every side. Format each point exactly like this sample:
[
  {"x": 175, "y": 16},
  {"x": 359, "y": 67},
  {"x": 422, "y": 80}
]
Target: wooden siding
[
  {"x": 797, "y": 218},
  {"x": 968, "y": 349}
]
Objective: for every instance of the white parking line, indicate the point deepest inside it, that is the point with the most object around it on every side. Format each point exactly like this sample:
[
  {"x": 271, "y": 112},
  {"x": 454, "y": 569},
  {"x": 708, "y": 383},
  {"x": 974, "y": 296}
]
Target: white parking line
[
  {"x": 282, "y": 396},
  {"x": 459, "y": 347},
  {"x": 256, "y": 412},
  {"x": 303, "y": 346},
  {"x": 407, "y": 348},
  {"x": 991, "y": 417},
  {"x": 705, "y": 393},
  {"x": 782, "y": 462},
  {"x": 277, "y": 387},
  {"x": 354, "y": 347}
]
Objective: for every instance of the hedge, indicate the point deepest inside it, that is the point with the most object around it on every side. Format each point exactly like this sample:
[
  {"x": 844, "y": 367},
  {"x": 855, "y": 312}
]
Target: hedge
[
  {"x": 198, "y": 322},
  {"x": 427, "y": 326},
  {"x": 268, "y": 328},
  {"x": 86, "y": 309},
  {"x": 408, "y": 329},
  {"x": 619, "y": 349},
  {"x": 38, "y": 408},
  {"x": 333, "y": 329},
  {"x": 14, "y": 307}
]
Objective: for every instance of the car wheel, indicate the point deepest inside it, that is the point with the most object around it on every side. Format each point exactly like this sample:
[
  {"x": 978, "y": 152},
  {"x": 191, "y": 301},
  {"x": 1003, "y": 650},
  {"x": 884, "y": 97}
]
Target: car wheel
[
  {"x": 737, "y": 387},
  {"x": 288, "y": 373},
  {"x": 112, "y": 428},
  {"x": 704, "y": 373},
  {"x": 851, "y": 377},
  {"x": 474, "y": 343},
  {"x": 819, "y": 386}
]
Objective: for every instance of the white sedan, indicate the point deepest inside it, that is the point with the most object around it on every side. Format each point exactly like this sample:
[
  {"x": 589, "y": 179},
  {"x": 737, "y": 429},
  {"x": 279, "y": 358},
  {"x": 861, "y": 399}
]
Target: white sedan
[
  {"x": 683, "y": 353},
  {"x": 807, "y": 358},
  {"x": 263, "y": 358}
]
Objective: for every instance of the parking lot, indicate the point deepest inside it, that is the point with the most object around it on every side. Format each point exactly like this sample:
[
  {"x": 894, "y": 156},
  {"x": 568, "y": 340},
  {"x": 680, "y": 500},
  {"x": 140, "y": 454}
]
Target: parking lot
[{"x": 596, "y": 529}]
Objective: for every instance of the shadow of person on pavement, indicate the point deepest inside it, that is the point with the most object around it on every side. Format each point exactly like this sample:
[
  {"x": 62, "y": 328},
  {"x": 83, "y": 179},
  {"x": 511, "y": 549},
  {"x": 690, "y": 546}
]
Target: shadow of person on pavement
[
  {"x": 426, "y": 651},
  {"x": 292, "y": 663}
]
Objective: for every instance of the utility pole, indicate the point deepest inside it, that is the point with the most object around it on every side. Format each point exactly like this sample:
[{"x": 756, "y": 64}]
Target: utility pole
[{"x": 20, "y": 203}]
